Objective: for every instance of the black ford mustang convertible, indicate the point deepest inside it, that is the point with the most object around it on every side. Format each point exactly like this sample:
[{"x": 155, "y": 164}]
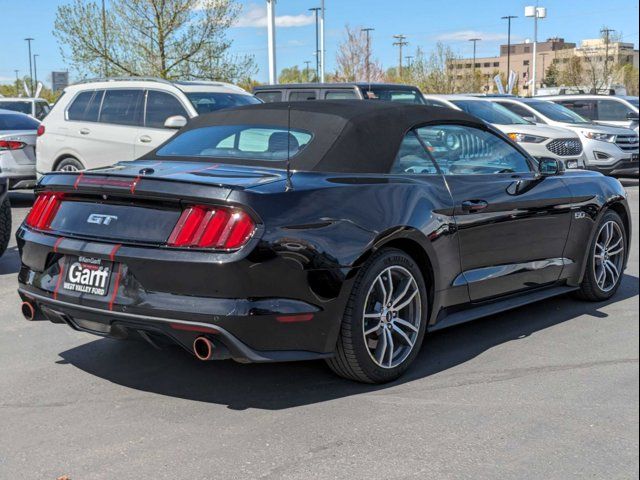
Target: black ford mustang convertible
[{"x": 335, "y": 230}]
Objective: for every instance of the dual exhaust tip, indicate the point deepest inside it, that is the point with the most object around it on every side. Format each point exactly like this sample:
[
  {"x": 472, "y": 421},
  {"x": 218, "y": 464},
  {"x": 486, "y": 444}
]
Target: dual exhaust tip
[
  {"x": 203, "y": 348},
  {"x": 28, "y": 311}
]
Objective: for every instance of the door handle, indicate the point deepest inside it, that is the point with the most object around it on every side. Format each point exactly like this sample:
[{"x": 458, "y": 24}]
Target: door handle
[
  {"x": 85, "y": 131},
  {"x": 473, "y": 206},
  {"x": 145, "y": 139}
]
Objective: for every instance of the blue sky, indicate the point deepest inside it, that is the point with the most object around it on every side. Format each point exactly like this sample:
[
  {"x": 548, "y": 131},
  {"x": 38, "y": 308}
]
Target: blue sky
[{"x": 424, "y": 22}]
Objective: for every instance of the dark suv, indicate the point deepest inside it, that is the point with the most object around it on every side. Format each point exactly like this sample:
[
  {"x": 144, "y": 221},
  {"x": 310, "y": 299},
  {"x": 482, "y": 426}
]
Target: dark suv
[{"x": 292, "y": 92}]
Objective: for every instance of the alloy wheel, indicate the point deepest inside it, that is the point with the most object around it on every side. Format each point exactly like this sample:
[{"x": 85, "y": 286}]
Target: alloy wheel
[
  {"x": 69, "y": 168},
  {"x": 392, "y": 316},
  {"x": 608, "y": 256}
]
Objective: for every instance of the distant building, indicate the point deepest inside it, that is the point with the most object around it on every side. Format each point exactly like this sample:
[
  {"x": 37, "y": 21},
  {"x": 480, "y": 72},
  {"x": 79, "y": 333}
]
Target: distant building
[
  {"x": 521, "y": 61},
  {"x": 59, "y": 80},
  {"x": 554, "y": 50}
]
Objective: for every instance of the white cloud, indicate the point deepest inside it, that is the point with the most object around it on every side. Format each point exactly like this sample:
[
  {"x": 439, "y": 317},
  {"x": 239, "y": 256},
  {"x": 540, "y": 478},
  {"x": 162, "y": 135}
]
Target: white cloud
[
  {"x": 464, "y": 35},
  {"x": 256, "y": 16}
]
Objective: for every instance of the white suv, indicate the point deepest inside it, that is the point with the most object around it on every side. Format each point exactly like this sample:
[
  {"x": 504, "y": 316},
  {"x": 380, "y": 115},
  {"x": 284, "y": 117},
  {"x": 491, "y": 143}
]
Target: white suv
[
  {"x": 539, "y": 140},
  {"x": 98, "y": 123}
]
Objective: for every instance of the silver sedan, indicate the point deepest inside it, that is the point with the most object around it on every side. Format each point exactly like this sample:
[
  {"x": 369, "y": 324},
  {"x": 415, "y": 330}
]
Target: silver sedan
[{"x": 18, "y": 133}]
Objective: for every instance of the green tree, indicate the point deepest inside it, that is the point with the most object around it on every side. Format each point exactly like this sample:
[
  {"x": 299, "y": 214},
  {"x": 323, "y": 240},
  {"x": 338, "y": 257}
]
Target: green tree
[
  {"x": 551, "y": 75},
  {"x": 173, "y": 39},
  {"x": 297, "y": 75},
  {"x": 434, "y": 73},
  {"x": 572, "y": 74}
]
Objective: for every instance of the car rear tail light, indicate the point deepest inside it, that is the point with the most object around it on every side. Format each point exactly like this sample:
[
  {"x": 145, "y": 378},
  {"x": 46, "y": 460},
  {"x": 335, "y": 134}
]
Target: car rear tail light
[
  {"x": 40, "y": 131},
  {"x": 44, "y": 210},
  {"x": 11, "y": 145},
  {"x": 212, "y": 227}
]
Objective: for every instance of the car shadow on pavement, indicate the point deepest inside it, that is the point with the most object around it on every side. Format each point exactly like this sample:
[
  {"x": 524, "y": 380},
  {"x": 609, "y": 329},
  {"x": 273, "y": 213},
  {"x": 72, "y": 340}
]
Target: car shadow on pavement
[
  {"x": 629, "y": 182},
  {"x": 175, "y": 373}
]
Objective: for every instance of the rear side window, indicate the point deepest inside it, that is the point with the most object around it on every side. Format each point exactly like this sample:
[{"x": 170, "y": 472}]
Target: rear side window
[
  {"x": 340, "y": 95},
  {"x": 122, "y": 107},
  {"x": 161, "y": 106},
  {"x": 85, "y": 107},
  {"x": 42, "y": 108},
  {"x": 584, "y": 108},
  {"x": 237, "y": 141},
  {"x": 613, "y": 110},
  {"x": 462, "y": 150},
  {"x": 270, "y": 97},
  {"x": 17, "y": 122},
  {"x": 301, "y": 96},
  {"x": 412, "y": 158}
]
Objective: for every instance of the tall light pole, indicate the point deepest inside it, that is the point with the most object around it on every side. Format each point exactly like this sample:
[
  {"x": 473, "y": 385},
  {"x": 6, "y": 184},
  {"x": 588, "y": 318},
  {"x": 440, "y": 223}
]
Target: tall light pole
[
  {"x": 306, "y": 70},
  {"x": 367, "y": 32},
  {"x": 315, "y": 10},
  {"x": 535, "y": 12},
  {"x": 17, "y": 83},
  {"x": 35, "y": 68},
  {"x": 271, "y": 39},
  {"x": 29, "y": 40},
  {"x": 322, "y": 53},
  {"x": 400, "y": 43},
  {"x": 104, "y": 39},
  {"x": 475, "y": 41},
  {"x": 508, "y": 18}
]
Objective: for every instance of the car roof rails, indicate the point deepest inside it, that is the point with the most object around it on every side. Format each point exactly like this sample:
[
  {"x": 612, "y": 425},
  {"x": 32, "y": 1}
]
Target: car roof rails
[{"x": 123, "y": 79}]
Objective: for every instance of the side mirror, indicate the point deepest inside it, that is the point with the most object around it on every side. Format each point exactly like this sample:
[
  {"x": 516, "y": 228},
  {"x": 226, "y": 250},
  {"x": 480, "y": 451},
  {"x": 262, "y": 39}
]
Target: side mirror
[
  {"x": 549, "y": 167},
  {"x": 177, "y": 122},
  {"x": 632, "y": 116}
]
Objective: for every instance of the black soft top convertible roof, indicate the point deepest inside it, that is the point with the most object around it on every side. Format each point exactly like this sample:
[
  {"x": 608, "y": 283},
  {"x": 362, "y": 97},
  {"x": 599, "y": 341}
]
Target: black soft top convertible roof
[{"x": 348, "y": 135}]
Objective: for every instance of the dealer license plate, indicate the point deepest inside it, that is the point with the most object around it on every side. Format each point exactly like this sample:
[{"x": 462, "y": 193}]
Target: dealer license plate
[{"x": 87, "y": 275}]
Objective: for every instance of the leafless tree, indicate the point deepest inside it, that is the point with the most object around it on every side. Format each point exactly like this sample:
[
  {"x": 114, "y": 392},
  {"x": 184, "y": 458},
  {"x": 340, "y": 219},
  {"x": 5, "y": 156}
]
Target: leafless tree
[
  {"x": 165, "y": 38},
  {"x": 351, "y": 60}
]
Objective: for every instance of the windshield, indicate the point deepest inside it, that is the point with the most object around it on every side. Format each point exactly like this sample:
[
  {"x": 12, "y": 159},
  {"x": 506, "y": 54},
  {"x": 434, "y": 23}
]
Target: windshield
[
  {"x": 490, "y": 112},
  {"x": 16, "y": 106},
  {"x": 557, "y": 113},
  {"x": 207, "y": 102},
  {"x": 251, "y": 142},
  {"x": 390, "y": 94},
  {"x": 9, "y": 121}
]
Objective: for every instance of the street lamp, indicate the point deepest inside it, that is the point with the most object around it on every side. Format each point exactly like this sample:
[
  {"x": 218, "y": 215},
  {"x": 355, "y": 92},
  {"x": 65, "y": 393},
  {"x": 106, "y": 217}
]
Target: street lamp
[
  {"x": 508, "y": 18},
  {"x": 35, "y": 69},
  {"x": 315, "y": 10},
  {"x": 535, "y": 12},
  {"x": 367, "y": 32},
  {"x": 475, "y": 41},
  {"x": 29, "y": 40},
  {"x": 271, "y": 39}
]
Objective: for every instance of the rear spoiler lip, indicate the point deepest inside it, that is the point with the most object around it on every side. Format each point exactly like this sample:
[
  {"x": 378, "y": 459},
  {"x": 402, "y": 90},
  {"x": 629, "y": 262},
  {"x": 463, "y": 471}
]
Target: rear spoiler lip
[{"x": 130, "y": 186}]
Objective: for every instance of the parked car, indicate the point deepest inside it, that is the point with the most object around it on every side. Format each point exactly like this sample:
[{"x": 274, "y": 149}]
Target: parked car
[
  {"x": 617, "y": 111},
  {"x": 339, "y": 91},
  {"x": 539, "y": 140},
  {"x": 609, "y": 150},
  {"x": 5, "y": 216},
  {"x": 17, "y": 149},
  {"x": 37, "y": 108},
  {"x": 98, "y": 122},
  {"x": 318, "y": 230}
]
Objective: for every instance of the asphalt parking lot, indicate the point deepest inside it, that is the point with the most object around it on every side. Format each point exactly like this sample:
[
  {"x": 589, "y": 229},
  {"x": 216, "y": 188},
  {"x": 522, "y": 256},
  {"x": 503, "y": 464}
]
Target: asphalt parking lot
[{"x": 547, "y": 391}]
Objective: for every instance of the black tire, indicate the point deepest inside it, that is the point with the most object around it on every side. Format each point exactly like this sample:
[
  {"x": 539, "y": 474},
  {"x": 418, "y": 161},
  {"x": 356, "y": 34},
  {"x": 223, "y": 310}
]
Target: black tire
[
  {"x": 589, "y": 288},
  {"x": 353, "y": 359},
  {"x": 69, "y": 164},
  {"x": 5, "y": 224}
]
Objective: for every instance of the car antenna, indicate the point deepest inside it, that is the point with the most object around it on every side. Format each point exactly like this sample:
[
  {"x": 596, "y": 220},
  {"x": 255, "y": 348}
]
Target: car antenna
[{"x": 289, "y": 185}]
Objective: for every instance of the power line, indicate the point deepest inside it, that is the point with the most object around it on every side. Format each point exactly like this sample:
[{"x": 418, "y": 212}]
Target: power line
[
  {"x": 400, "y": 43},
  {"x": 367, "y": 32}
]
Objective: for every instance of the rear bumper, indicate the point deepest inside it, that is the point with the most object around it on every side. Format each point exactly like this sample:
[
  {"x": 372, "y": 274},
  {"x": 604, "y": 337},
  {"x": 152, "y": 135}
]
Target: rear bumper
[
  {"x": 180, "y": 331},
  {"x": 262, "y": 309}
]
